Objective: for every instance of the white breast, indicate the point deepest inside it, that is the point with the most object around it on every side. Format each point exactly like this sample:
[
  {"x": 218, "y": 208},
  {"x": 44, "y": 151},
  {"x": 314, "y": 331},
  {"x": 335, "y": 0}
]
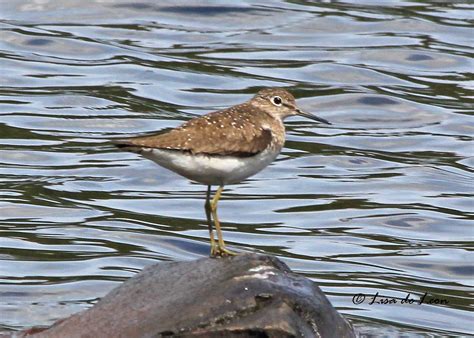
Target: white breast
[{"x": 212, "y": 170}]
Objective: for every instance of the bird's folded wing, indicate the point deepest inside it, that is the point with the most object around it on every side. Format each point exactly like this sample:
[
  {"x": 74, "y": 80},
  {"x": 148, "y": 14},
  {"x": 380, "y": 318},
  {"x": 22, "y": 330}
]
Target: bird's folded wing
[{"x": 213, "y": 134}]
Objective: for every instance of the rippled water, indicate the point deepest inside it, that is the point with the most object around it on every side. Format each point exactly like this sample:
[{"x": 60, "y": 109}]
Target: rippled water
[{"x": 381, "y": 201}]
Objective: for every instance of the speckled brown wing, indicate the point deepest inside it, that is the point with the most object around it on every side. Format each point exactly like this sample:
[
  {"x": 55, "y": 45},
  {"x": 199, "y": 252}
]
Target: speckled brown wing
[{"x": 233, "y": 131}]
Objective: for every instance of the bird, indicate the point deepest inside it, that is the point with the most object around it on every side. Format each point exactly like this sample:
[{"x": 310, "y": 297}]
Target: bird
[{"x": 223, "y": 147}]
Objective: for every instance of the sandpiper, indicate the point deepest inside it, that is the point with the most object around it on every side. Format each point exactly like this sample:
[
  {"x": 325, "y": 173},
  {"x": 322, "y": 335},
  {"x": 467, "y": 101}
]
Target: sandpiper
[{"x": 223, "y": 147}]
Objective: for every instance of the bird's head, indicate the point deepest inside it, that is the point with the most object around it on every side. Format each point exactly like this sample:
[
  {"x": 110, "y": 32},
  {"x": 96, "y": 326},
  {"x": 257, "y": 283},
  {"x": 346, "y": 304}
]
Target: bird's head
[{"x": 281, "y": 104}]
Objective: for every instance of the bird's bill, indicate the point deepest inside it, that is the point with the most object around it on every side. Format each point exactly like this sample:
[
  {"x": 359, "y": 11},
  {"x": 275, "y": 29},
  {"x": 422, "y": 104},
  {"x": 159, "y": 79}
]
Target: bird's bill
[{"x": 311, "y": 116}]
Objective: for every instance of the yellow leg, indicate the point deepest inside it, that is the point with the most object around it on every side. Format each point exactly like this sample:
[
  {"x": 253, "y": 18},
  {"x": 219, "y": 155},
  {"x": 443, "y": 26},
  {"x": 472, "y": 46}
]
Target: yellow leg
[
  {"x": 207, "y": 207},
  {"x": 221, "y": 249}
]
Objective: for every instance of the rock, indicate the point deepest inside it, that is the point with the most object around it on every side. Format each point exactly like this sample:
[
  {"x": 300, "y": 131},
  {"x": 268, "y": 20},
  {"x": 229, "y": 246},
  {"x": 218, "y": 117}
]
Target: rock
[{"x": 241, "y": 296}]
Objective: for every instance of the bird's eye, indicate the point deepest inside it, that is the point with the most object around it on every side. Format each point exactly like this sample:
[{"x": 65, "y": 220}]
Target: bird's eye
[{"x": 276, "y": 100}]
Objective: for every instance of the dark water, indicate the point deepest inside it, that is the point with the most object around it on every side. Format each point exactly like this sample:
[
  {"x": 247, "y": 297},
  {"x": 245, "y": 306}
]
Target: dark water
[{"x": 381, "y": 201}]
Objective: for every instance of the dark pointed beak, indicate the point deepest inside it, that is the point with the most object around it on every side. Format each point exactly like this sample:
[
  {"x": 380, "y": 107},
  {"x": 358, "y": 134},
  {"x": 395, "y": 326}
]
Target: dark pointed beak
[{"x": 311, "y": 116}]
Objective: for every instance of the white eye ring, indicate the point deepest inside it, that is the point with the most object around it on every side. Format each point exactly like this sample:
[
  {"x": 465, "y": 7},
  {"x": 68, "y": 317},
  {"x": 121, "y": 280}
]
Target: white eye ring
[{"x": 276, "y": 100}]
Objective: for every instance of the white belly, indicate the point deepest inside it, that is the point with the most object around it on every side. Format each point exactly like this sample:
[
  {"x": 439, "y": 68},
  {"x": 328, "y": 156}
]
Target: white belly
[{"x": 211, "y": 170}]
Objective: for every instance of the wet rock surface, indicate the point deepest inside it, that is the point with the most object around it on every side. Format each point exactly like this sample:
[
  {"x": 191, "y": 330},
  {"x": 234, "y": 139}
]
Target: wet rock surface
[{"x": 241, "y": 296}]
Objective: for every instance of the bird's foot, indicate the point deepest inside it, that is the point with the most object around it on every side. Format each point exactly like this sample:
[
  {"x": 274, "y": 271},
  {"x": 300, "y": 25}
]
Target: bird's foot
[{"x": 220, "y": 251}]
